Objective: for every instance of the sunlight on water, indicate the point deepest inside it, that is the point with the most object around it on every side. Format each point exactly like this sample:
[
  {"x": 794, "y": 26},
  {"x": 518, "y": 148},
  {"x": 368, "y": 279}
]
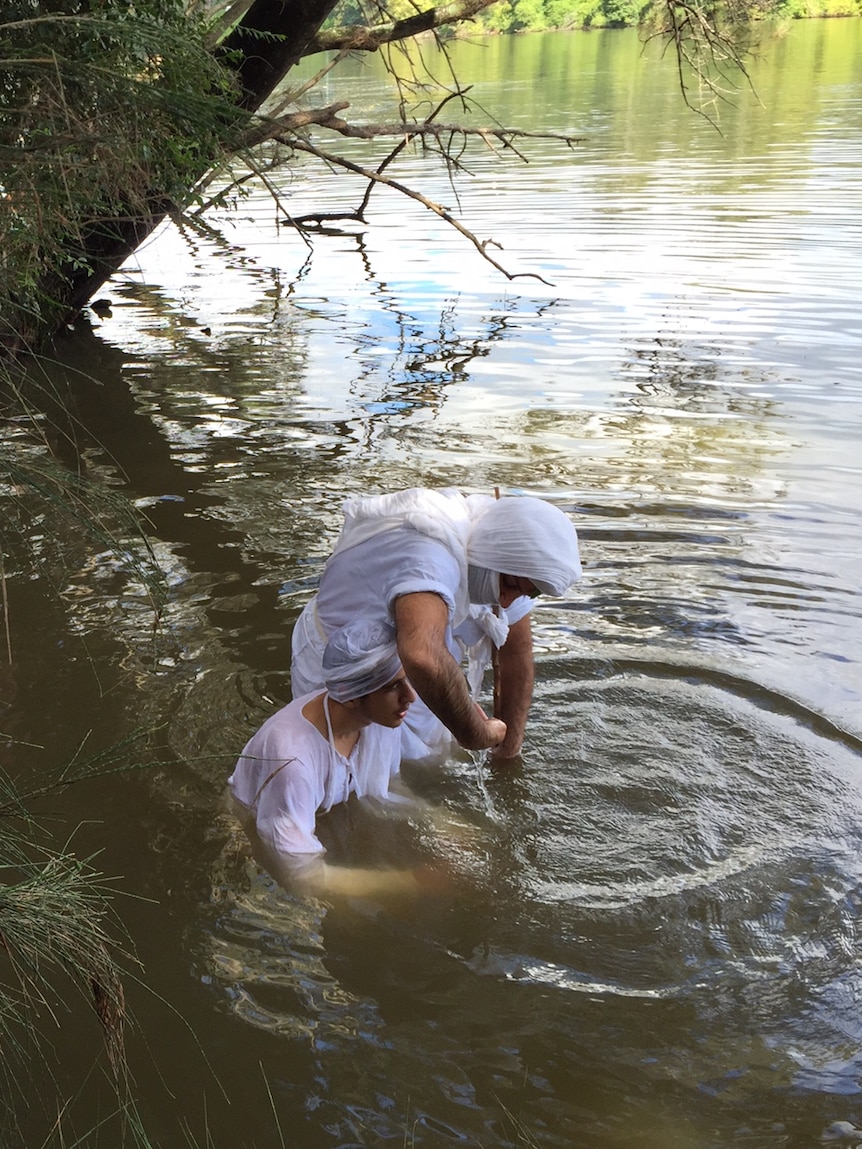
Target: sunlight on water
[{"x": 652, "y": 931}]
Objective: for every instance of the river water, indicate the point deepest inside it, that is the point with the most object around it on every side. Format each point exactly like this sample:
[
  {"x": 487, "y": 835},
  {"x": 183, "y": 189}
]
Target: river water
[{"x": 652, "y": 935}]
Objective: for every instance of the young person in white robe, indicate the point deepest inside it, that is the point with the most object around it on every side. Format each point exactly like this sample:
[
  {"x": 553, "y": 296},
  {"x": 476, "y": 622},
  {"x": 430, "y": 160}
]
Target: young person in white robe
[
  {"x": 321, "y": 749},
  {"x": 455, "y": 575}
]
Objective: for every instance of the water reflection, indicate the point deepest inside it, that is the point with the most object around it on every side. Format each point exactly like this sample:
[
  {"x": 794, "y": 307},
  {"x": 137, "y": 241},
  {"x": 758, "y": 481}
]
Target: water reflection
[{"x": 654, "y": 933}]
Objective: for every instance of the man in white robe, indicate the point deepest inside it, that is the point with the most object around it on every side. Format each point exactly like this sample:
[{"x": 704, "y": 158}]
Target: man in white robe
[
  {"x": 455, "y": 576},
  {"x": 321, "y": 749}
]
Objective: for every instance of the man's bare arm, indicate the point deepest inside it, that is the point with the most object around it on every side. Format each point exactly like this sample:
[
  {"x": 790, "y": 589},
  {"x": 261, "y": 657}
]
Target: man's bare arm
[
  {"x": 514, "y": 691},
  {"x": 421, "y": 620}
]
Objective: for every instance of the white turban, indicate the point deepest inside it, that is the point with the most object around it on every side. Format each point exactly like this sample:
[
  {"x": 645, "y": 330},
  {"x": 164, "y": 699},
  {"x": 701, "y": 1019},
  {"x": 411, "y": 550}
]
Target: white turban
[
  {"x": 526, "y": 537},
  {"x": 360, "y": 658}
]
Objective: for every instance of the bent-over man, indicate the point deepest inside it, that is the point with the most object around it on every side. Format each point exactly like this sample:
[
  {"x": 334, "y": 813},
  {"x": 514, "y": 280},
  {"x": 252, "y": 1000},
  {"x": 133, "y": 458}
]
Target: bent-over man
[{"x": 455, "y": 574}]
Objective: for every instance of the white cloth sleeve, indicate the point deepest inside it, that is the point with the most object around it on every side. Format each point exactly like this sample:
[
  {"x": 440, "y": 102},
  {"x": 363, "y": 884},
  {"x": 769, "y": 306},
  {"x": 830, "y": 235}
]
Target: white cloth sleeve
[
  {"x": 287, "y": 809},
  {"x": 434, "y": 571},
  {"x": 519, "y": 609}
]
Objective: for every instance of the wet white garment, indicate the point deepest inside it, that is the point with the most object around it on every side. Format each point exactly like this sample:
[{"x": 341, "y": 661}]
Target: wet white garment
[
  {"x": 516, "y": 535},
  {"x": 288, "y": 773},
  {"x": 425, "y": 540},
  {"x": 363, "y": 581}
]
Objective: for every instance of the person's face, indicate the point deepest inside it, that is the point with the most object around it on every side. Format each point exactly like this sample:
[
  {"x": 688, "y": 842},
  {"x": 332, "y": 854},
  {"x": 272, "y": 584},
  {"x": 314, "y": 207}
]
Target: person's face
[
  {"x": 388, "y": 705},
  {"x": 513, "y": 586}
]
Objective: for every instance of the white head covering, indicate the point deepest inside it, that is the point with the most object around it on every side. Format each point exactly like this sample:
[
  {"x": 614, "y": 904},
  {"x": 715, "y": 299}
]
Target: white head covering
[
  {"x": 518, "y": 535},
  {"x": 526, "y": 537},
  {"x": 360, "y": 658}
]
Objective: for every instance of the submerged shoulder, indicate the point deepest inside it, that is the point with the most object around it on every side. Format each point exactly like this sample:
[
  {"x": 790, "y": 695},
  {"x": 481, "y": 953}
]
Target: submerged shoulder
[{"x": 285, "y": 731}]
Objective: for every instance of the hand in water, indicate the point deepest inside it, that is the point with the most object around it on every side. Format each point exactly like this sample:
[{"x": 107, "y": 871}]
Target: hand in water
[{"x": 494, "y": 732}]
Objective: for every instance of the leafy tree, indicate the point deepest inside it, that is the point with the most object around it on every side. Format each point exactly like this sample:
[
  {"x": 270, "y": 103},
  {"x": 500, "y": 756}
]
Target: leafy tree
[{"x": 529, "y": 15}]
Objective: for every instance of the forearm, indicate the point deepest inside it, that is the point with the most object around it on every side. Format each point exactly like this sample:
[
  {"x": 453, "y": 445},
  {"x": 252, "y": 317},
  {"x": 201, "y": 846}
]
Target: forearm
[
  {"x": 421, "y": 623},
  {"x": 441, "y": 685},
  {"x": 513, "y": 688},
  {"x": 327, "y": 881},
  {"x": 311, "y": 876}
]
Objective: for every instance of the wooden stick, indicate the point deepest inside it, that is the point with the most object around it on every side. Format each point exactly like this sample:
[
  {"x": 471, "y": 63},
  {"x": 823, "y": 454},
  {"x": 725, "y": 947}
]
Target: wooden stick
[{"x": 495, "y": 654}]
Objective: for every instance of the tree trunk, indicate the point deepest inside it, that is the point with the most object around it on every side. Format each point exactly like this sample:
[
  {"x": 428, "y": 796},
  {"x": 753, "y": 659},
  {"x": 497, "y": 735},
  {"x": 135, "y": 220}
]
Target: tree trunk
[
  {"x": 107, "y": 249},
  {"x": 262, "y": 49},
  {"x": 264, "y": 61}
]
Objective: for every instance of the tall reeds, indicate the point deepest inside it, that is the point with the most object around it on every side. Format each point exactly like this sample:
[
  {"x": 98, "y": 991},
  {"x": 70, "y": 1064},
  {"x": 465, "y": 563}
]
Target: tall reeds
[{"x": 61, "y": 941}]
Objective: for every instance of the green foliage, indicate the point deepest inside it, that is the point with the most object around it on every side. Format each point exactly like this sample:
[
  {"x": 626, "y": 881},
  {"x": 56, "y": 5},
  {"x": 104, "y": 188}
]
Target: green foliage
[
  {"x": 498, "y": 18},
  {"x": 55, "y": 945},
  {"x": 536, "y": 15},
  {"x": 516, "y": 15},
  {"x": 63, "y": 958},
  {"x": 103, "y": 108},
  {"x": 369, "y": 12},
  {"x": 528, "y": 15},
  {"x": 813, "y": 9}
]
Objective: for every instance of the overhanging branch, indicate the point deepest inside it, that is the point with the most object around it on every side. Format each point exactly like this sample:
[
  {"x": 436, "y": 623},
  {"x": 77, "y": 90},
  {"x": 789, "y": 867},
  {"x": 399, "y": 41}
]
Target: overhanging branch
[
  {"x": 703, "y": 50},
  {"x": 368, "y": 38},
  {"x": 377, "y": 177},
  {"x": 294, "y": 121},
  {"x": 328, "y": 118}
]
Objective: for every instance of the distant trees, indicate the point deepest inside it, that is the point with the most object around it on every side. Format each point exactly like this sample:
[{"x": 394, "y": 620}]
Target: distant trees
[{"x": 539, "y": 15}]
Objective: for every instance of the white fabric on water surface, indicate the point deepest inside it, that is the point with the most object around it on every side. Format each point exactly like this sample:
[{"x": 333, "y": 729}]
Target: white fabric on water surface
[
  {"x": 288, "y": 773},
  {"x": 359, "y": 658}
]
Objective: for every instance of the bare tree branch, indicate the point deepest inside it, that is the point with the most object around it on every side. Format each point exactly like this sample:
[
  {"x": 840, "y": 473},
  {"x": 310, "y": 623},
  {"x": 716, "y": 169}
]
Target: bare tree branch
[
  {"x": 280, "y": 130},
  {"x": 399, "y": 147},
  {"x": 703, "y": 51},
  {"x": 503, "y": 136},
  {"x": 276, "y": 129},
  {"x": 293, "y": 95},
  {"x": 368, "y": 38},
  {"x": 481, "y": 245},
  {"x": 293, "y": 121}
]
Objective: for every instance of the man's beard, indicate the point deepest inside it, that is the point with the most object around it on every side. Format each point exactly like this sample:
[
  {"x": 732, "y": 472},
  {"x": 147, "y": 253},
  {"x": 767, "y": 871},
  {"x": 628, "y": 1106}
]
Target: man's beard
[{"x": 483, "y": 586}]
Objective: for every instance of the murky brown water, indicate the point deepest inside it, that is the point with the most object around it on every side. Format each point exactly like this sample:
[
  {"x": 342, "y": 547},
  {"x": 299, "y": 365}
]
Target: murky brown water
[{"x": 653, "y": 935}]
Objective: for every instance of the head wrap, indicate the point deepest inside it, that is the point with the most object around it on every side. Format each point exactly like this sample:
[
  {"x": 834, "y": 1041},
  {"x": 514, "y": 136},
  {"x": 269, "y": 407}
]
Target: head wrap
[
  {"x": 526, "y": 537},
  {"x": 360, "y": 658}
]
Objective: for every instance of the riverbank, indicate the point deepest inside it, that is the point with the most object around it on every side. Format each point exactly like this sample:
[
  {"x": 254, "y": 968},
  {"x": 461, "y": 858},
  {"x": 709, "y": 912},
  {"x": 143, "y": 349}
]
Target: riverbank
[{"x": 515, "y": 16}]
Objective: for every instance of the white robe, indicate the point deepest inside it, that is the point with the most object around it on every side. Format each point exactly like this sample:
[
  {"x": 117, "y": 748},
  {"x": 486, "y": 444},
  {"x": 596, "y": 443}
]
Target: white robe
[
  {"x": 392, "y": 545},
  {"x": 288, "y": 773}
]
